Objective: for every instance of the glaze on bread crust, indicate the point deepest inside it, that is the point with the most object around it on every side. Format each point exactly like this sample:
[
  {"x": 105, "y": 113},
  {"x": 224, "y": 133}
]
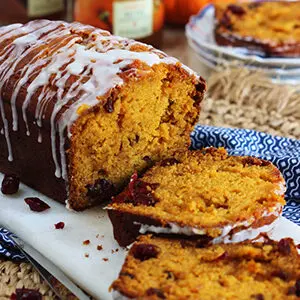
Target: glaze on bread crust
[
  {"x": 82, "y": 109},
  {"x": 161, "y": 268},
  {"x": 205, "y": 193},
  {"x": 272, "y": 28}
]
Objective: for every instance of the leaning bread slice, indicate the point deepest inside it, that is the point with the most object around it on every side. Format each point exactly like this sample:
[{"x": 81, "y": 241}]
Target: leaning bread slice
[
  {"x": 161, "y": 268},
  {"x": 206, "y": 192}
]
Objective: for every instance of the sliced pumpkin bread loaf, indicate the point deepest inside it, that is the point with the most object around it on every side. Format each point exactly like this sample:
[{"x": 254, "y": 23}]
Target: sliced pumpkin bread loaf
[
  {"x": 161, "y": 268},
  {"x": 206, "y": 192}
]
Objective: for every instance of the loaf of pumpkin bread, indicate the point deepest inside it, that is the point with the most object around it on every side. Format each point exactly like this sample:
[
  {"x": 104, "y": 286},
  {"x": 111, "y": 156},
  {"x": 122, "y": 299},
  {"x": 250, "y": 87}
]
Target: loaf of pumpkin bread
[{"x": 82, "y": 109}]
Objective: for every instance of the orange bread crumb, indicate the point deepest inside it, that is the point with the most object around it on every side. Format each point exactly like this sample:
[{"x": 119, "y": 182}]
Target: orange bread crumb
[{"x": 160, "y": 268}]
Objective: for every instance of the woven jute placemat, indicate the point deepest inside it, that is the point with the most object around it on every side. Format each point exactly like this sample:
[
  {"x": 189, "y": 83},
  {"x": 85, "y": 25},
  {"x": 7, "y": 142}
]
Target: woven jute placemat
[{"x": 237, "y": 97}]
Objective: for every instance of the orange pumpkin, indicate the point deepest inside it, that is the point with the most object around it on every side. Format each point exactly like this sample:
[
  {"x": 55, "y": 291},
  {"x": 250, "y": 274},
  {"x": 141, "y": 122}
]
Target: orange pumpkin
[
  {"x": 96, "y": 13},
  {"x": 179, "y": 11},
  {"x": 158, "y": 15}
]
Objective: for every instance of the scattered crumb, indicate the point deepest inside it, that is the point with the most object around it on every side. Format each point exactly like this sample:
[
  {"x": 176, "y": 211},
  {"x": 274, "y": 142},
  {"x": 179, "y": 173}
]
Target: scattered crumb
[
  {"x": 86, "y": 242},
  {"x": 105, "y": 259},
  {"x": 112, "y": 251},
  {"x": 59, "y": 225},
  {"x": 117, "y": 249},
  {"x": 86, "y": 255},
  {"x": 99, "y": 247},
  {"x": 102, "y": 235},
  {"x": 97, "y": 236}
]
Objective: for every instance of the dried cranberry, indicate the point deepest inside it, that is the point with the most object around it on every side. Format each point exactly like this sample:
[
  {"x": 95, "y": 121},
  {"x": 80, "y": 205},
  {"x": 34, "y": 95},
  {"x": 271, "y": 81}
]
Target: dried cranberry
[
  {"x": 258, "y": 297},
  {"x": 26, "y": 294},
  {"x": 226, "y": 22},
  {"x": 10, "y": 184},
  {"x": 169, "y": 162},
  {"x": 236, "y": 9},
  {"x": 101, "y": 190},
  {"x": 59, "y": 225},
  {"x": 122, "y": 198},
  {"x": 36, "y": 204},
  {"x": 280, "y": 274},
  {"x": 284, "y": 246},
  {"x": 144, "y": 199},
  {"x": 133, "y": 179},
  {"x": 140, "y": 192},
  {"x": 147, "y": 159},
  {"x": 157, "y": 292},
  {"x": 144, "y": 251}
]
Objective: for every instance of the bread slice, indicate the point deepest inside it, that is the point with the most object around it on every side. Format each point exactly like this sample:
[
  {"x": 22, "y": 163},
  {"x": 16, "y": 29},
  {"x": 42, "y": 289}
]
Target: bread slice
[
  {"x": 82, "y": 109},
  {"x": 271, "y": 28},
  {"x": 161, "y": 268},
  {"x": 204, "y": 192}
]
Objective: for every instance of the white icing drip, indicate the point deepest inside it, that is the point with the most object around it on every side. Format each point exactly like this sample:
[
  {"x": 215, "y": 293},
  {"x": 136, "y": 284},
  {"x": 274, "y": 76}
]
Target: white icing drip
[
  {"x": 7, "y": 68},
  {"x": 225, "y": 235},
  {"x": 244, "y": 235},
  {"x": 35, "y": 39},
  {"x": 172, "y": 228},
  {"x": 22, "y": 48},
  {"x": 95, "y": 55},
  {"x": 40, "y": 137}
]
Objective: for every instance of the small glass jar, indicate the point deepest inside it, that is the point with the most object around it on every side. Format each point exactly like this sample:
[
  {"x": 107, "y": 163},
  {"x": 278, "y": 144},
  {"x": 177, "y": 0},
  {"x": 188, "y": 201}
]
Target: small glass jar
[{"x": 142, "y": 20}]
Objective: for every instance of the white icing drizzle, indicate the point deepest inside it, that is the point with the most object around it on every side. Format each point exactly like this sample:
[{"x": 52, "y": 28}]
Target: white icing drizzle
[
  {"x": 245, "y": 234},
  {"x": 40, "y": 137},
  {"x": 74, "y": 53},
  {"x": 226, "y": 236}
]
